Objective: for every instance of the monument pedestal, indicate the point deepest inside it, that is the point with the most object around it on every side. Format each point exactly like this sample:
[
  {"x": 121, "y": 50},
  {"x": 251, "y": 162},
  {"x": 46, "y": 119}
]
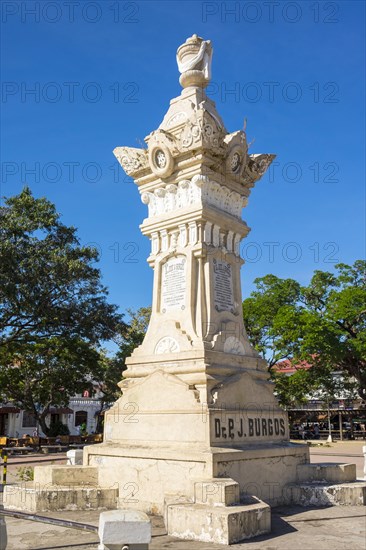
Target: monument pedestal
[
  {"x": 163, "y": 434},
  {"x": 146, "y": 475}
]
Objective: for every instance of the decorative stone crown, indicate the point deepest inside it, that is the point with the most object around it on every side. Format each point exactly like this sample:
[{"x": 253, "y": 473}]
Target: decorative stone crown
[{"x": 194, "y": 62}]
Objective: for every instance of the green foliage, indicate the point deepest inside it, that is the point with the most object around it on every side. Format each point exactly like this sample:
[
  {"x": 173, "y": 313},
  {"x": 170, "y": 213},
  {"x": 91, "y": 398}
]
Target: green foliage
[
  {"x": 292, "y": 390},
  {"x": 53, "y": 308},
  {"x": 274, "y": 300},
  {"x": 323, "y": 323},
  {"x": 112, "y": 368},
  {"x": 25, "y": 473},
  {"x": 58, "y": 428},
  {"x": 318, "y": 382},
  {"x": 48, "y": 285}
]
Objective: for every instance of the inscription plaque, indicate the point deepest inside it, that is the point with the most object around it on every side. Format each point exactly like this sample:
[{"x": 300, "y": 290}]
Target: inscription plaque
[
  {"x": 173, "y": 285},
  {"x": 240, "y": 428},
  {"x": 223, "y": 286}
]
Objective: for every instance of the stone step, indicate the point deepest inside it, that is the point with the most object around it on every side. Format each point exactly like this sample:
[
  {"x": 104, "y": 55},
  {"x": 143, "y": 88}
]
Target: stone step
[
  {"x": 325, "y": 494},
  {"x": 32, "y": 497},
  {"x": 217, "y": 492},
  {"x": 218, "y": 524},
  {"x": 327, "y": 472},
  {"x": 66, "y": 475}
]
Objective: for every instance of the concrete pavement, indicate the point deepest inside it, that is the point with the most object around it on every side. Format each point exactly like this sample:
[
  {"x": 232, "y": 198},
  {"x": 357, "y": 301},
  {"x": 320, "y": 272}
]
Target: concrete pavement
[
  {"x": 293, "y": 528},
  {"x": 340, "y": 451}
]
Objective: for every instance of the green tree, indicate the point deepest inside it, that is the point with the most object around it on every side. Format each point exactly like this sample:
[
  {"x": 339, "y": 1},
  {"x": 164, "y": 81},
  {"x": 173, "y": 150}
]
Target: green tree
[
  {"x": 323, "y": 323},
  {"x": 292, "y": 389},
  {"x": 113, "y": 368},
  {"x": 264, "y": 310},
  {"x": 54, "y": 312},
  {"x": 314, "y": 383}
]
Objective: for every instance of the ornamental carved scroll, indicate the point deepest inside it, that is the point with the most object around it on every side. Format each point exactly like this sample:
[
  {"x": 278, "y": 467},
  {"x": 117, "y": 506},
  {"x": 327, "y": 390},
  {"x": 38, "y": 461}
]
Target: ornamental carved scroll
[
  {"x": 131, "y": 159},
  {"x": 256, "y": 166},
  {"x": 202, "y": 130}
]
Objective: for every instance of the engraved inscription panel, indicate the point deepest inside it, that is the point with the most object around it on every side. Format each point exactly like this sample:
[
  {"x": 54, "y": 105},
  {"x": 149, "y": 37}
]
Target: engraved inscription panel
[
  {"x": 173, "y": 285},
  {"x": 241, "y": 428},
  {"x": 223, "y": 286}
]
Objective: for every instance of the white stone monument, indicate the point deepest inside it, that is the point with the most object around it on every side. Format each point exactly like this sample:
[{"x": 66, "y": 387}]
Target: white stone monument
[
  {"x": 197, "y": 434},
  {"x": 197, "y": 402}
]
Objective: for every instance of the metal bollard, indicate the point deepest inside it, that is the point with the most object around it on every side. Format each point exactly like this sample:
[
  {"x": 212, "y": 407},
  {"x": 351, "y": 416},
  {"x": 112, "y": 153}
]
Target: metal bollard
[
  {"x": 124, "y": 530},
  {"x": 4, "y": 456}
]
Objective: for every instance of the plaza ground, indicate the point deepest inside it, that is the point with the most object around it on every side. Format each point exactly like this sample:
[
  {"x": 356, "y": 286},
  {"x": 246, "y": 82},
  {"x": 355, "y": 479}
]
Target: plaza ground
[{"x": 333, "y": 528}]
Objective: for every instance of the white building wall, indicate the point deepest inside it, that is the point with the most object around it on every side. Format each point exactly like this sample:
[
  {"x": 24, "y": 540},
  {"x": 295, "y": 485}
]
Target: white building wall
[{"x": 91, "y": 405}]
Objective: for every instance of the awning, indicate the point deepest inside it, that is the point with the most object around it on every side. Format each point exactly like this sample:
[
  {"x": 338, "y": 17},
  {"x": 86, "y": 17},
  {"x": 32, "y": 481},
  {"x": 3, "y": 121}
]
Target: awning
[
  {"x": 9, "y": 410},
  {"x": 61, "y": 410}
]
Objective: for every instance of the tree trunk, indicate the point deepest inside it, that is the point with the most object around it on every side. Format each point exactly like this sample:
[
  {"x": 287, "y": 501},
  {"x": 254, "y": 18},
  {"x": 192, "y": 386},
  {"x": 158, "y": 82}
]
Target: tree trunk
[{"x": 42, "y": 423}]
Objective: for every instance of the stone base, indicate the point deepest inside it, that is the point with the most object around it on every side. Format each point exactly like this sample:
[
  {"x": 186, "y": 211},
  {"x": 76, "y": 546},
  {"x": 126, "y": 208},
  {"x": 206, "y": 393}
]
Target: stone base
[
  {"x": 65, "y": 476},
  {"x": 226, "y": 525},
  {"x": 318, "y": 494},
  {"x": 216, "y": 515},
  {"x": 34, "y": 498},
  {"x": 327, "y": 472},
  {"x": 146, "y": 474}
]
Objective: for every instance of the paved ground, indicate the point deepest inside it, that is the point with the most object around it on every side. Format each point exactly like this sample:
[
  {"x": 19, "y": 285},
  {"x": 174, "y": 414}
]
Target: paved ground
[
  {"x": 336, "y": 528},
  {"x": 295, "y": 528},
  {"x": 340, "y": 451}
]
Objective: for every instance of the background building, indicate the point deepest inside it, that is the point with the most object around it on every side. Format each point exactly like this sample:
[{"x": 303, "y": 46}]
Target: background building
[{"x": 15, "y": 422}]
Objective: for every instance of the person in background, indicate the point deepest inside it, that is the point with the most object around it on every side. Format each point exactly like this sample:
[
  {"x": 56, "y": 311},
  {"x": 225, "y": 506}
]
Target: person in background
[{"x": 302, "y": 431}]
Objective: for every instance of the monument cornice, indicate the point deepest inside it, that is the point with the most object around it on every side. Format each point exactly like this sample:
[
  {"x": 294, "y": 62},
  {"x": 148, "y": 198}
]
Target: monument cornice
[{"x": 201, "y": 213}]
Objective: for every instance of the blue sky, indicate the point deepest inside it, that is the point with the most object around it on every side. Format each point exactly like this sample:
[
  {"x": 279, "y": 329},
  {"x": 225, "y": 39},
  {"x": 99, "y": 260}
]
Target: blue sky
[{"x": 104, "y": 73}]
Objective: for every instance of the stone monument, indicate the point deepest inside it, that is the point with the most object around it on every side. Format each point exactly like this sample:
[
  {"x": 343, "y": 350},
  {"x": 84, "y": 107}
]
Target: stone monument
[
  {"x": 197, "y": 434},
  {"x": 197, "y": 403}
]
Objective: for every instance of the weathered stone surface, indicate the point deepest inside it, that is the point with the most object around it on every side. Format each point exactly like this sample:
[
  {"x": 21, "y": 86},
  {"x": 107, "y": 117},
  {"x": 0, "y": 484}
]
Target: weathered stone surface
[
  {"x": 216, "y": 513},
  {"x": 317, "y": 494},
  {"x": 217, "y": 492},
  {"x": 65, "y": 475},
  {"x": 326, "y": 472},
  {"x": 33, "y": 497},
  {"x": 218, "y": 524},
  {"x": 146, "y": 474}
]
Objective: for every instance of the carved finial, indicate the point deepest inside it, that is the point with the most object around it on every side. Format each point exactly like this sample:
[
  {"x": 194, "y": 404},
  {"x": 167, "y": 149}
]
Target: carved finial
[{"x": 194, "y": 62}]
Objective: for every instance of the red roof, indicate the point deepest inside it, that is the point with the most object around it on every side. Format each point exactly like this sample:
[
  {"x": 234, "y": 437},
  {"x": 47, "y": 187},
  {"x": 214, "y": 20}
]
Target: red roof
[{"x": 288, "y": 367}]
